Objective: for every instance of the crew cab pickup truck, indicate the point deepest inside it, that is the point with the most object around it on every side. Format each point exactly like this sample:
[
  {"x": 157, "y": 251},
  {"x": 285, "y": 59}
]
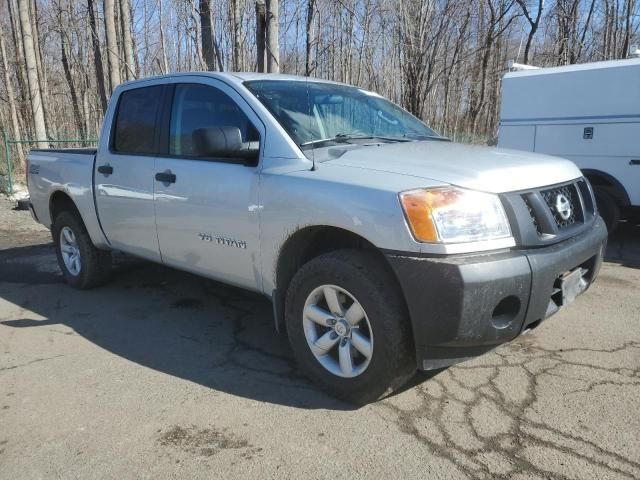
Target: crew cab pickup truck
[{"x": 384, "y": 248}]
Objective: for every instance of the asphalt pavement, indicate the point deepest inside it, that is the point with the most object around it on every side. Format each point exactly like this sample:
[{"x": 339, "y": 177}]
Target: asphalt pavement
[{"x": 161, "y": 374}]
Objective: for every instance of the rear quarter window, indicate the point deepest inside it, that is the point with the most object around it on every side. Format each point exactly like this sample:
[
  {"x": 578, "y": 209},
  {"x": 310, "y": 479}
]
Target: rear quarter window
[{"x": 136, "y": 118}]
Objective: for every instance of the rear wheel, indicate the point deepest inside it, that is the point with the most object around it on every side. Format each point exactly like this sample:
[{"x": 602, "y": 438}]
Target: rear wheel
[
  {"x": 348, "y": 326},
  {"x": 608, "y": 209},
  {"x": 82, "y": 264}
]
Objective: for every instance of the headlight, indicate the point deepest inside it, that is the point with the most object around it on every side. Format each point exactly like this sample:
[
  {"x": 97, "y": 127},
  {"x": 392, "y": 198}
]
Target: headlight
[{"x": 454, "y": 215}]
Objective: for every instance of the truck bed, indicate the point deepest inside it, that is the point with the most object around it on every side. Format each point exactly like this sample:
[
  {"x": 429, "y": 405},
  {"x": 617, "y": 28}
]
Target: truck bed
[{"x": 64, "y": 171}]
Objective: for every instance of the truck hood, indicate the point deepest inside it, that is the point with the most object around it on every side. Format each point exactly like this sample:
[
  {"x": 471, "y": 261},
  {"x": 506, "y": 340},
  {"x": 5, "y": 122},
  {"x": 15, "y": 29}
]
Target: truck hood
[{"x": 469, "y": 166}]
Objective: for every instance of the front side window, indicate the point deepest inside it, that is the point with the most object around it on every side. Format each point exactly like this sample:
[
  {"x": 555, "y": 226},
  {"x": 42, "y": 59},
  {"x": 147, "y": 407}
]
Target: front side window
[
  {"x": 317, "y": 112},
  {"x": 197, "y": 107},
  {"x": 135, "y": 122}
]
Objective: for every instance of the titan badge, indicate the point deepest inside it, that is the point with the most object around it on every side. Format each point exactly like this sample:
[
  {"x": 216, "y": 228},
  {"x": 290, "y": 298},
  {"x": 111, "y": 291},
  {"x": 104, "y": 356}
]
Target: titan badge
[{"x": 229, "y": 242}]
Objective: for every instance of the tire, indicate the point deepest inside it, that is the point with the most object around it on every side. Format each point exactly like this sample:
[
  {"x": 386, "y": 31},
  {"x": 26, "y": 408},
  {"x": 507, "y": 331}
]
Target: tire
[
  {"x": 608, "y": 209},
  {"x": 94, "y": 265},
  {"x": 362, "y": 277}
]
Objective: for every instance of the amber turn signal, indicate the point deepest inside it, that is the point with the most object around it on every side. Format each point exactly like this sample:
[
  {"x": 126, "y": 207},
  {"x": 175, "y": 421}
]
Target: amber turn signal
[{"x": 417, "y": 206}]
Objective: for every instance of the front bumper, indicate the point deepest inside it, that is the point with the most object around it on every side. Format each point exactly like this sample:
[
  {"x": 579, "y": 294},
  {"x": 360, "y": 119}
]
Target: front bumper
[{"x": 464, "y": 305}]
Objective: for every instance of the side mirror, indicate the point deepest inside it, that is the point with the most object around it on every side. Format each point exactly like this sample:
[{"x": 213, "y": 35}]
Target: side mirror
[{"x": 224, "y": 142}]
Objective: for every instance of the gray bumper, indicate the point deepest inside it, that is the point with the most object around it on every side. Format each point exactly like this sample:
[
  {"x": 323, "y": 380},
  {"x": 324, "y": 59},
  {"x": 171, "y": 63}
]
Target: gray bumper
[{"x": 462, "y": 306}]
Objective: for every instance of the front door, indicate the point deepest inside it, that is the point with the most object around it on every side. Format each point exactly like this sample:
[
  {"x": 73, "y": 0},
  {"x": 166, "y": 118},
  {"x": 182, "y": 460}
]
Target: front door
[
  {"x": 124, "y": 176},
  {"x": 206, "y": 208}
]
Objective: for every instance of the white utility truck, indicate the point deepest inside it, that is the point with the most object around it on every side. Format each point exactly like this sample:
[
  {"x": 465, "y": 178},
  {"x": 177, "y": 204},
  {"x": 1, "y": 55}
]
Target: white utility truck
[{"x": 588, "y": 113}]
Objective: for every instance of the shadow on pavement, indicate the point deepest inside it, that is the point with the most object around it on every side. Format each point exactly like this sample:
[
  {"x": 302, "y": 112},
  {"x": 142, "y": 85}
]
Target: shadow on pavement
[
  {"x": 199, "y": 330},
  {"x": 182, "y": 325},
  {"x": 624, "y": 245}
]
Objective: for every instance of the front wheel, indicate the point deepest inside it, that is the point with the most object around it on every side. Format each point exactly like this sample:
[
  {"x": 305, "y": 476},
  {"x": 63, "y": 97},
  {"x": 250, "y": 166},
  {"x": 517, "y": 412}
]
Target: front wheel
[
  {"x": 348, "y": 326},
  {"x": 82, "y": 264}
]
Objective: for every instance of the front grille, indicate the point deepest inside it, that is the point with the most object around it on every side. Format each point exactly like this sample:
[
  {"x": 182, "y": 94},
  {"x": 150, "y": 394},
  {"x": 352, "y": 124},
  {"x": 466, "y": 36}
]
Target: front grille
[
  {"x": 549, "y": 214},
  {"x": 564, "y": 204},
  {"x": 534, "y": 220}
]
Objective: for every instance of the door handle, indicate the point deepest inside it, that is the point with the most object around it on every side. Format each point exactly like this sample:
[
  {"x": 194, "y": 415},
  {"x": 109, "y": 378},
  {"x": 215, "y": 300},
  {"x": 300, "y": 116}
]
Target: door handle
[
  {"x": 105, "y": 169},
  {"x": 166, "y": 177},
  {"x": 634, "y": 162}
]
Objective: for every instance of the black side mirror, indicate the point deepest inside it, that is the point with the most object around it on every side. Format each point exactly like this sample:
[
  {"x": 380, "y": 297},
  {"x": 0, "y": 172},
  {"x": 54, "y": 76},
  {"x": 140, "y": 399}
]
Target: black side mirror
[{"x": 224, "y": 142}]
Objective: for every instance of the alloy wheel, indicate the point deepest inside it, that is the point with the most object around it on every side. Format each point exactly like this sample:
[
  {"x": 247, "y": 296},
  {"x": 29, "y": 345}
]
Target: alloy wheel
[{"x": 338, "y": 331}]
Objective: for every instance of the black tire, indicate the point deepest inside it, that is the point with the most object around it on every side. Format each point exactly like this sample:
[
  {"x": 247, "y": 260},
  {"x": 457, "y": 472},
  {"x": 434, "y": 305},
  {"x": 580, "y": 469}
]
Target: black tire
[
  {"x": 95, "y": 263},
  {"x": 365, "y": 276},
  {"x": 608, "y": 209}
]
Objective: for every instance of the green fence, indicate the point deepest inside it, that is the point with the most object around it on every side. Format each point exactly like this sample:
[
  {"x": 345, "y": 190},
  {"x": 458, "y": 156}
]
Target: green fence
[{"x": 7, "y": 169}]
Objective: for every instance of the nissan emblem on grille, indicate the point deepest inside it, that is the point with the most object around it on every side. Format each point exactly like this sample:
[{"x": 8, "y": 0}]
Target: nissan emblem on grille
[{"x": 563, "y": 206}]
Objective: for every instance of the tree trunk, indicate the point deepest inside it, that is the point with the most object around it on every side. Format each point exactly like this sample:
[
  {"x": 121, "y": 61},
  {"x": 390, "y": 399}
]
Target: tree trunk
[
  {"x": 164, "y": 66},
  {"x": 236, "y": 27},
  {"x": 208, "y": 44},
  {"x": 69, "y": 77},
  {"x": 97, "y": 57},
  {"x": 24, "y": 107},
  {"x": 130, "y": 65},
  {"x": 260, "y": 34},
  {"x": 309, "y": 37},
  {"x": 273, "y": 48},
  {"x": 15, "y": 124},
  {"x": 32, "y": 72},
  {"x": 534, "y": 23},
  {"x": 42, "y": 71},
  {"x": 627, "y": 28},
  {"x": 112, "y": 44}
]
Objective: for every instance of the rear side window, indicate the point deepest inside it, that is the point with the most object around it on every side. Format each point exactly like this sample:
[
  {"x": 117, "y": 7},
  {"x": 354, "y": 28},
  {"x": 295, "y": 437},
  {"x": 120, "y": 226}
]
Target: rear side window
[
  {"x": 136, "y": 120},
  {"x": 197, "y": 106}
]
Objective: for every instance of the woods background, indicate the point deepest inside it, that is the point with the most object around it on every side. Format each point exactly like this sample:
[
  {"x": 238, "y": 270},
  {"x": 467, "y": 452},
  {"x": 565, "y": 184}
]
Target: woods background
[{"x": 441, "y": 59}]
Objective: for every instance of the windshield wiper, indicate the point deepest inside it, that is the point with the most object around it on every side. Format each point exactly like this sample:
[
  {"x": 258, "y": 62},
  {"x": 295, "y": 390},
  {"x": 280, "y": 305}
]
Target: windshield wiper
[
  {"x": 419, "y": 136},
  {"x": 344, "y": 138}
]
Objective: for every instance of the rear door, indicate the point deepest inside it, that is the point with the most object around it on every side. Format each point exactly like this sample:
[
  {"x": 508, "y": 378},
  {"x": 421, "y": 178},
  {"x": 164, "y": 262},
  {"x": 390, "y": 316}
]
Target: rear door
[
  {"x": 124, "y": 176},
  {"x": 207, "y": 208}
]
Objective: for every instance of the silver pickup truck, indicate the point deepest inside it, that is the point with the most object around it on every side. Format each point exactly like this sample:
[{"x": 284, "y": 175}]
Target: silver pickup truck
[{"x": 383, "y": 247}]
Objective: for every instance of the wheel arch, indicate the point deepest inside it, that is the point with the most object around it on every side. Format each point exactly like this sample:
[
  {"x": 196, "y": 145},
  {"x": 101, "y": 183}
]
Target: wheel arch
[
  {"x": 308, "y": 243},
  {"x": 609, "y": 183},
  {"x": 61, "y": 201}
]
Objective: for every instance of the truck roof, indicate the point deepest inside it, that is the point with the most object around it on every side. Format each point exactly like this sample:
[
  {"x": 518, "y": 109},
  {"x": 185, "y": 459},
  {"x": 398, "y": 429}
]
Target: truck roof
[
  {"x": 628, "y": 62},
  {"x": 236, "y": 77},
  {"x": 599, "y": 91}
]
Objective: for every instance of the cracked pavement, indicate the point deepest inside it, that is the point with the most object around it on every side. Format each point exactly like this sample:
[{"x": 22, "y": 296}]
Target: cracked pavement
[{"x": 161, "y": 374}]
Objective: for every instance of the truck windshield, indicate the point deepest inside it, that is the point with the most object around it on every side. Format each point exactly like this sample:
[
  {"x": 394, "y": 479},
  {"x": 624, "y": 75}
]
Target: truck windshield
[{"x": 322, "y": 114}]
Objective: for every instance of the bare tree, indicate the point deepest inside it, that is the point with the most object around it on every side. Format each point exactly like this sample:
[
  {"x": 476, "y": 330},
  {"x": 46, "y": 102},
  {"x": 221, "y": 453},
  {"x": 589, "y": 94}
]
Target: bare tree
[
  {"x": 112, "y": 44},
  {"x": 63, "y": 32},
  {"x": 11, "y": 99},
  {"x": 441, "y": 59},
  {"x": 261, "y": 26},
  {"x": 273, "y": 33},
  {"x": 628, "y": 26},
  {"x": 97, "y": 56},
  {"x": 28, "y": 43},
  {"x": 163, "y": 61},
  {"x": 210, "y": 50},
  {"x": 495, "y": 21},
  {"x": 534, "y": 23},
  {"x": 16, "y": 35},
  {"x": 42, "y": 71},
  {"x": 236, "y": 27},
  {"x": 127, "y": 41},
  {"x": 308, "y": 42},
  {"x": 571, "y": 35}
]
